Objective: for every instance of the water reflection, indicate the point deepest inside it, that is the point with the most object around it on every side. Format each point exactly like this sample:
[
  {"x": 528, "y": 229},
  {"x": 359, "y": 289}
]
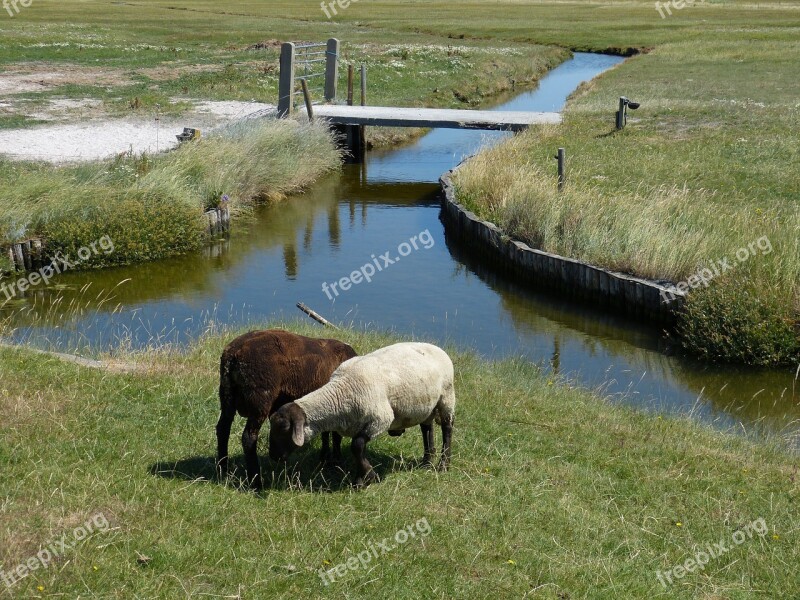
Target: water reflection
[{"x": 444, "y": 293}]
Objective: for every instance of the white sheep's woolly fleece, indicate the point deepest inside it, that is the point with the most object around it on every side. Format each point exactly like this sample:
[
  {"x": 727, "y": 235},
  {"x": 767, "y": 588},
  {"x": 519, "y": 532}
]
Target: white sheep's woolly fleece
[{"x": 396, "y": 387}]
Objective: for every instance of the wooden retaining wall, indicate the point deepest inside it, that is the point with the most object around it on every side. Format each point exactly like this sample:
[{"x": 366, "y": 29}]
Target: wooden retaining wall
[
  {"x": 632, "y": 295},
  {"x": 27, "y": 255}
]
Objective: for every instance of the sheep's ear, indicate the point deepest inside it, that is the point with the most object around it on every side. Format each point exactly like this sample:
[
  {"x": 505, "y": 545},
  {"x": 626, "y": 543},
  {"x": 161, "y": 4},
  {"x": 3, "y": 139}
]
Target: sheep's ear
[{"x": 298, "y": 435}]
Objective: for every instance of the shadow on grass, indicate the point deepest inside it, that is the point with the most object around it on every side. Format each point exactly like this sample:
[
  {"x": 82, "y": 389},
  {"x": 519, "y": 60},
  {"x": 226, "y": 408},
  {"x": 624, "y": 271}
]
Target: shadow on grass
[{"x": 304, "y": 473}]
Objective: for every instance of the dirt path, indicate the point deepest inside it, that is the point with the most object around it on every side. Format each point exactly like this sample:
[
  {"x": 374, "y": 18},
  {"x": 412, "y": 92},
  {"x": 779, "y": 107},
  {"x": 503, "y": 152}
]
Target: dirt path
[{"x": 97, "y": 139}]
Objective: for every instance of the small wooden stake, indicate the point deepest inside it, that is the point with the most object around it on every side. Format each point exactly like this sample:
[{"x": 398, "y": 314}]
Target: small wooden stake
[
  {"x": 19, "y": 260},
  {"x": 363, "y": 84},
  {"x": 37, "y": 250},
  {"x": 307, "y": 98},
  {"x": 621, "y": 114},
  {"x": 27, "y": 259},
  {"x": 349, "y": 85},
  {"x": 561, "y": 168}
]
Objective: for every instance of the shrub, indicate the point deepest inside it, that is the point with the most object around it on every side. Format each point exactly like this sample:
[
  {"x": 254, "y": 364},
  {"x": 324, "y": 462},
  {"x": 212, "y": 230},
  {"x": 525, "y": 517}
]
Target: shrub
[{"x": 734, "y": 321}]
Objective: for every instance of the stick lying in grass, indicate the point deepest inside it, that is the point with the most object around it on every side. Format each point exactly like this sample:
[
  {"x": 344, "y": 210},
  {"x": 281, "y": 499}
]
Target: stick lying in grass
[{"x": 315, "y": 315}]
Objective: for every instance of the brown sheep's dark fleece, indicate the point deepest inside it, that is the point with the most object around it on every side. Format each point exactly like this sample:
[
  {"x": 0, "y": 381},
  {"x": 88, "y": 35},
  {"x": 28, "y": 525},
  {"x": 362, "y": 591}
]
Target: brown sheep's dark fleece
[{"x": 261, "y": 371}]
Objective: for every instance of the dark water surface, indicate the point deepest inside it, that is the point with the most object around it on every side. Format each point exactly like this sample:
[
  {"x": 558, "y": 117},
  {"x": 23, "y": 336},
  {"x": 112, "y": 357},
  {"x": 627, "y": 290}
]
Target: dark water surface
[{"x": 438, "y": 291}]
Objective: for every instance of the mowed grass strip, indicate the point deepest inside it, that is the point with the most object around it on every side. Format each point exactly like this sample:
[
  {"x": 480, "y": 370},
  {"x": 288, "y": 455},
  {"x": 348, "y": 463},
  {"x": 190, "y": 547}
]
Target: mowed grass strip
[{"x": 553, "y": 493}]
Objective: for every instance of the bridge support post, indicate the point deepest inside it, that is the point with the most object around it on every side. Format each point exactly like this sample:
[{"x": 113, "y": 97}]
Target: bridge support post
[
  {"x": 353, "y": 141},
  {"x": 286, "y": 81}
]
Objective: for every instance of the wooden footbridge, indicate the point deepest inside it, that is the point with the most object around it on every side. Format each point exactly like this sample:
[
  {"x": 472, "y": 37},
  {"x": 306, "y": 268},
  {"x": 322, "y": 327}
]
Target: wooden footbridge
[
  {"x": 298, "y": 63},
  {"x": 386, "y": 116}
]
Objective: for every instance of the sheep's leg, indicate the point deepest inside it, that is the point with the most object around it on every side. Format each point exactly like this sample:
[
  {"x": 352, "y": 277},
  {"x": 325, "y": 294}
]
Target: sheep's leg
[
  {"x": 364, "y": 472},
  {"x": 326, "y": 457},
  {"x": 447, "y": 434},
  {"x": 427, "y": 443},
  {"x": 227, "y": 412},
  {"x": 223, "y": 435},
  {"x": 250, "y": 447},
  {"x": 337, "y": 447},
  {"x": 326, "y": 447},
  {"x": 325, "y": 454}
]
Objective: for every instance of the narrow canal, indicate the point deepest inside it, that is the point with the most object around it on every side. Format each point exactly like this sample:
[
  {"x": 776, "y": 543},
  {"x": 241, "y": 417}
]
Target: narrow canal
[{"x": 437, "y": 290}]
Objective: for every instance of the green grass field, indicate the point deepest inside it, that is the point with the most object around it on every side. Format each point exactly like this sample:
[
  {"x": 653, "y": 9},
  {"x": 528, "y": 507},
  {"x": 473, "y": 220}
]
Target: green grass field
[{"x": 553, "y": 493}]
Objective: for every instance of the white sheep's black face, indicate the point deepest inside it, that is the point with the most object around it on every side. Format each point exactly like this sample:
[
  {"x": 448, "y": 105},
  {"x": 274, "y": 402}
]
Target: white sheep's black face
[{"x": 286, "y": 431}]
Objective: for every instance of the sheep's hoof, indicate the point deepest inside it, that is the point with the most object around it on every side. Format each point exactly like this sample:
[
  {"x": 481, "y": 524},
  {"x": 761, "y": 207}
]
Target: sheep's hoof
[
  {"x": 442, "y": 466},
  {"x": 426, "y": 462},
  {"x": 370, "y": 477}
]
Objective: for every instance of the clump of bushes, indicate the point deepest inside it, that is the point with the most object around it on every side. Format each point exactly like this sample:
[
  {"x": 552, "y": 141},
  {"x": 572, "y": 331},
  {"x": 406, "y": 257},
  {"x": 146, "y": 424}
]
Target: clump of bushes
[
  {"x": 736, "y": 321},
  {"x": 142, "y": 224}
]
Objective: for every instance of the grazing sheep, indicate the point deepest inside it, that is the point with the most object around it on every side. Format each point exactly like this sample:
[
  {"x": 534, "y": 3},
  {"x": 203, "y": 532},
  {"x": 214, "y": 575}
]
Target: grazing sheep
[
  {"x": 390, "y": 389},
  {"x": 261, "y": 371}
]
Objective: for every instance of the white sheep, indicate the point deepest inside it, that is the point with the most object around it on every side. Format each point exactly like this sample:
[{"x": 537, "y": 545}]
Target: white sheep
[{"x": 391, "y": 389}]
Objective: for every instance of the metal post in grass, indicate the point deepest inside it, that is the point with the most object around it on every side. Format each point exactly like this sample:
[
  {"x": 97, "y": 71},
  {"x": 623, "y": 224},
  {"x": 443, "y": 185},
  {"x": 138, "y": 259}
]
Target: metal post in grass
[
  {"x": 331, "y": 69},
  {"x": 363, "y": 84},
  {"x": 350, "y": 85},
  {"x": 286, "y": 80},
  {"x": 622, "y": 112},
  {"x": 561, "y": 168},
  {"x": 307, "y": 98}
]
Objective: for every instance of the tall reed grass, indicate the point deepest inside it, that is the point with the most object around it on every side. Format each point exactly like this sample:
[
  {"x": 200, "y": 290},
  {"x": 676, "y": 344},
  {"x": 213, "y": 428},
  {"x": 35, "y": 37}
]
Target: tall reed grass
[{"x": 152, "y": 206}]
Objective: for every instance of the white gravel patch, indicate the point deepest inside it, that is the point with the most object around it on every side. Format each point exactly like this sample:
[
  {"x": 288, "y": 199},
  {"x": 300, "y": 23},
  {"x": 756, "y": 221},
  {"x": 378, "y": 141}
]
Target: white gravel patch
[
  {"x": 232, "y": 109},
  {"x": 96, "y": 140}
]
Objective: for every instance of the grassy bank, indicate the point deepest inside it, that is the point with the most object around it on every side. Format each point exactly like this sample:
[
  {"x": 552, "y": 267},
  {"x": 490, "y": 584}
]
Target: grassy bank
[
  {"x": 553, "y": 493},
  {"x": 152, "y": 206},
  {"x": 699, "y": 174}
]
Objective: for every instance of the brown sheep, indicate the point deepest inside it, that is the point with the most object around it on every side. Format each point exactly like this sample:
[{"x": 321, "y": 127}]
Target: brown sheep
[{"x": 261, "y": 371}]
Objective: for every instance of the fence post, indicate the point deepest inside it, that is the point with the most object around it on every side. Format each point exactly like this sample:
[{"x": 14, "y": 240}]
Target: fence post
[
  {"x": 363, "y": 84},
  {"x": 286, "y": 81},
  {"x": 307, "y": 98},
  {"x": 561, "y": 175},
  {"x": 621, "y": 113},
  {"x": 331, "y": 69},
  {"x": 349, "y": 85}
]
